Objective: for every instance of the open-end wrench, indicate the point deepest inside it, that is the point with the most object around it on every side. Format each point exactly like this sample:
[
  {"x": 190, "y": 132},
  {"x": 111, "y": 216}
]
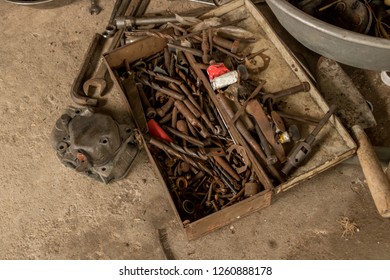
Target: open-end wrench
[{"x": 91, "y": 79}]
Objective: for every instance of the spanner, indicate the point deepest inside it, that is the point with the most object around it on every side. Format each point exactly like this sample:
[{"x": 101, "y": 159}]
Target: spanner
[
  {"x": 91, "y": 78},
  {"x": 111, "y": 28}
]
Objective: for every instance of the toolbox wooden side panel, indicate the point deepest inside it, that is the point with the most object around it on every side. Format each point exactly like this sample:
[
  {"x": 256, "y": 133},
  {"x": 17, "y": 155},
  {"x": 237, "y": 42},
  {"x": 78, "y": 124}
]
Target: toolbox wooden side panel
[
  {"x": 122, "y": 97},
  {"x": 228, "y": 215},
  {"x": 310, "y": 174}
]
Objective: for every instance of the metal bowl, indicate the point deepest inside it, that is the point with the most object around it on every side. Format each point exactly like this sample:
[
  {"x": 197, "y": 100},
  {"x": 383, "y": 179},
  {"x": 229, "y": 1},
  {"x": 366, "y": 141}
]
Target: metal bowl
[
  {"x": 355, "y": 49},
  {"x": 47, "y": 4}
]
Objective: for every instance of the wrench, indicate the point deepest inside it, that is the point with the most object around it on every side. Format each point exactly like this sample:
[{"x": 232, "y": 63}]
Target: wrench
[
  {"x": 91, "y": 78},
  {"x": 95, "y": 9},
  {"x": 118, "y": 9}
]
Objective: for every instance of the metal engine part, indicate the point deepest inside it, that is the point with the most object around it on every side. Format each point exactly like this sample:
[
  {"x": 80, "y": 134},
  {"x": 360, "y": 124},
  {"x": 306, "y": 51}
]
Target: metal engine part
[{"x": 94, "y": 144}]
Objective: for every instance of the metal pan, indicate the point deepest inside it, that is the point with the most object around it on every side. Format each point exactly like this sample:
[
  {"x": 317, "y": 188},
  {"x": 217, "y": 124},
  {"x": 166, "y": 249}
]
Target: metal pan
[
  {"x": 40, "y": 3},
  {"x": 355, "y": 49}
]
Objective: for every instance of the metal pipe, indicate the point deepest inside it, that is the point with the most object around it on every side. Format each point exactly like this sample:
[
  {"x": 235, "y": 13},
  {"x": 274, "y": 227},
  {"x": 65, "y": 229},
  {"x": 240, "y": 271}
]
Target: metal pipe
[
  {"x": 303, "y": 87},
  {"x": 184, "y": 136},
  {"x": 302, "y": 119},
  {"x": 163, "y": 110},
  {"x": 272, "y": 159},
  {"x": 125, "y": 22},
  {"x": 227, "y": 44},
  {"x": 225, "y": 165},
  {"x": 229, "y": 53}
]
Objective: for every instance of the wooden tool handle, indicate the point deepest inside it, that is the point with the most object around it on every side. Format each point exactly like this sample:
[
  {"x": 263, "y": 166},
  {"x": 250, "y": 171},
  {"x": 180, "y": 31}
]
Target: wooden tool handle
[{"x": 377, "y": 181}]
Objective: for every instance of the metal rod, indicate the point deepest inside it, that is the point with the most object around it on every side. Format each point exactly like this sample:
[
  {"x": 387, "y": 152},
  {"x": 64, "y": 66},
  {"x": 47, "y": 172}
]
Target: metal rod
[
  {"x": 164, "y": 90},
  {"x": 186, "y": 49},
  {"x": 302, "y": 119},
  {"x": 184, "y": 136},
  {"x": 190, "y": 117}
]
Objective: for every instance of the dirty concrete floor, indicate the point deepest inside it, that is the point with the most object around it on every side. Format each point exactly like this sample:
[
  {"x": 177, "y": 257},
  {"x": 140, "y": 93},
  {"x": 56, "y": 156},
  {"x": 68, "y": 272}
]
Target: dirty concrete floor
[{"x": 50, "y": 212}]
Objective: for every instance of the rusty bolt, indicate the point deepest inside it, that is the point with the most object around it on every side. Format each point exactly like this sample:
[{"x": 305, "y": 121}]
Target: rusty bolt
[{"x": 166, "y": 107}]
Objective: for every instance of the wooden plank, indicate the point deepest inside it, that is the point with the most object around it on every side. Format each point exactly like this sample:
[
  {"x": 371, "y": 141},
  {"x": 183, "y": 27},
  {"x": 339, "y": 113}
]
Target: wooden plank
[
  {"x": 220, "y": 11},
  {"x": 310, "y": 174},
  {"x": 228, "y": 215}
]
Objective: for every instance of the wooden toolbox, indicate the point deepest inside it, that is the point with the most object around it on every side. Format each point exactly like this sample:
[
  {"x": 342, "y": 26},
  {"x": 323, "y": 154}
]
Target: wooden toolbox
[{"x": 333, "y": 144}]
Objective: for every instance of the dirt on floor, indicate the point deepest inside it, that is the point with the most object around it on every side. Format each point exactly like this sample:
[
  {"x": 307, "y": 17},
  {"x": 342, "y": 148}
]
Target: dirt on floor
[{"x": 51, "y": 212}]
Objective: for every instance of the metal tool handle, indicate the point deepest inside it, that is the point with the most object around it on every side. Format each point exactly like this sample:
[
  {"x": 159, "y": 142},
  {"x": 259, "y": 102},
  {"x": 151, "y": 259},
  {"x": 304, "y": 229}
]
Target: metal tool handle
[{"x": 300, "y": 152}]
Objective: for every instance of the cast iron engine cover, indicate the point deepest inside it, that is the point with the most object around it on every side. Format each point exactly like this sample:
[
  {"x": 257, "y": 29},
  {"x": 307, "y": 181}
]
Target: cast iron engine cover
[{"x": 94, "y": 144}]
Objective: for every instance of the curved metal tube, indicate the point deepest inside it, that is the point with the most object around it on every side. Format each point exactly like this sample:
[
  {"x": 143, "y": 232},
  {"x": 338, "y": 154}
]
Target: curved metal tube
[
  {"x": 31, "y": 2},
  {"x": 342, "y": 45}
]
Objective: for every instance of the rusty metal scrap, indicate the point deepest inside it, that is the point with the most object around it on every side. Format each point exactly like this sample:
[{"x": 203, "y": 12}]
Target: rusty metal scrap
[{"x": 224, "y": 145}]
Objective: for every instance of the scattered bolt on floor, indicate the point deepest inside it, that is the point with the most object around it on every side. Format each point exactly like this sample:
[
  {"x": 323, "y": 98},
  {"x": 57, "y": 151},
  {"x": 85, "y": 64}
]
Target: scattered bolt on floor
[{"x": 349, "y": 227}]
